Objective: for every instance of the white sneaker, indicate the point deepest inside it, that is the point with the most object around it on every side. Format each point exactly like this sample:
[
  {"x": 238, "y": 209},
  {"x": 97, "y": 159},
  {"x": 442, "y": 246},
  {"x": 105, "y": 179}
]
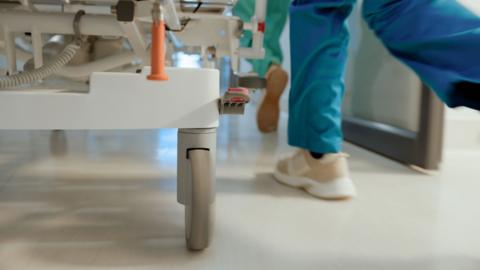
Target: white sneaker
[{"x": 325, "y": 178}]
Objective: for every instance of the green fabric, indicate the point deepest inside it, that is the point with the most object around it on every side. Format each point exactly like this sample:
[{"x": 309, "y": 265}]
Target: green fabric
[{"x": 277, "y": 12}]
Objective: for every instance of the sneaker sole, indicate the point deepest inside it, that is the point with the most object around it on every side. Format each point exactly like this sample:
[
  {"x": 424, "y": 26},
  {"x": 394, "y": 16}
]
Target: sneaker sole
[
  {"x": 339, "y": 189},
  {"x": 269, "y": 109}
]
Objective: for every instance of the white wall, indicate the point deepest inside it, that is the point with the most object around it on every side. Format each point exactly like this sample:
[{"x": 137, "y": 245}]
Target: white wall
[{"x": 379, "y": 87}]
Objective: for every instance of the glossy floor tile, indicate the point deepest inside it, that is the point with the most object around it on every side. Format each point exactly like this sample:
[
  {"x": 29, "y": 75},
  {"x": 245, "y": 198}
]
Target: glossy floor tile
[{"x": 106, "y": 200}]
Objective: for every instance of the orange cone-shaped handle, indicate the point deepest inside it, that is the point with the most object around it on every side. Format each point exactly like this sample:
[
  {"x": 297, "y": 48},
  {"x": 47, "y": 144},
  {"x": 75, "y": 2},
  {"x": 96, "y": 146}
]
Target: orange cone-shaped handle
[{"x": 158, "y": 52}]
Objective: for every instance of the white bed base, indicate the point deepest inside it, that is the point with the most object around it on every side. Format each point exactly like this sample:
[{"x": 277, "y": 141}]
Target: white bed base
[{"x": 189, "y": 99}]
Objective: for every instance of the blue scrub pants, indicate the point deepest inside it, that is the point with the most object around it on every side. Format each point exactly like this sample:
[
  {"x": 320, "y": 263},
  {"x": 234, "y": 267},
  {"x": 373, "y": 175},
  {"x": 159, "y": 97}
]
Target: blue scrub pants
[{"x": 438, "y": 39}]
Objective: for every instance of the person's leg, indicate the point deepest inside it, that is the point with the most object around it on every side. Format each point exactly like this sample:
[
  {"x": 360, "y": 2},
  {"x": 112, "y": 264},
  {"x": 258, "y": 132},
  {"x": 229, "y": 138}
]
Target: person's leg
[
  {"x": 268, "y": 113},
  {"x": 319, "y": 40},
  {"x": 269, "y": 109},
  {"x": 438, "y": 39},
  {"x": 270, "y": 66}
]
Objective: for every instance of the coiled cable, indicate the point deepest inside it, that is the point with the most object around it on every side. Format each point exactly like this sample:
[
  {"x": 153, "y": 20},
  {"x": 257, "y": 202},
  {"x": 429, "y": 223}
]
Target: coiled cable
[{"x": 31, "y": 76}]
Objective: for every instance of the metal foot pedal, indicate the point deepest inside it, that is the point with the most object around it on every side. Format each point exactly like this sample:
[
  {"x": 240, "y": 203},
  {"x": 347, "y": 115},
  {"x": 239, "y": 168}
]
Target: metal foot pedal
[
  {"x": 234, "y": 101},
  {"x": 250, "y": 81}
]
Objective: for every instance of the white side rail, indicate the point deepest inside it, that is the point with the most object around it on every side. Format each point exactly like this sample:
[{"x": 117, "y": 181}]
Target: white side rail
[
  {"x": 171, "y": 16},
  {"x": 257, "y": 27}
]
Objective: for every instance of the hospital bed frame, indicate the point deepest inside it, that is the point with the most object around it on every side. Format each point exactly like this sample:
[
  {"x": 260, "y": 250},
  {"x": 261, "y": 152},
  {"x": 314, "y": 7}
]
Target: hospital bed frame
[{"x": 190, "y": 100}]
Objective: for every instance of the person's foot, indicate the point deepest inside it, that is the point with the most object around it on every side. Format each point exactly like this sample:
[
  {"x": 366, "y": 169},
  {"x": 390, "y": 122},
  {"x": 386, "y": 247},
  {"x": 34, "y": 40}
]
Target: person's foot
[
  {"x": 326, "y": 178},
  {"x": 269, "y": 109}
]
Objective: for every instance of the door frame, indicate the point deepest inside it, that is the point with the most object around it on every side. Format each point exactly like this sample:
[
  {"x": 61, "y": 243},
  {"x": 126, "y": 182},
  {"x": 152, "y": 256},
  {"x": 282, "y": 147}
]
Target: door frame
[{"x": 422, "y": 149}]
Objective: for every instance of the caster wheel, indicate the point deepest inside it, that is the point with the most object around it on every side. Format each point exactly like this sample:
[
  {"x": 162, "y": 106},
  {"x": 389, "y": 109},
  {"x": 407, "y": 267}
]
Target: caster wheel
[
  {"x": 199, "y": 210},
  {"x": 58, "y": 143}
]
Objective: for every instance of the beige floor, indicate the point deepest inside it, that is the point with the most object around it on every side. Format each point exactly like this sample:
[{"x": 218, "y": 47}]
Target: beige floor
[{"x": 106, "y": 200}]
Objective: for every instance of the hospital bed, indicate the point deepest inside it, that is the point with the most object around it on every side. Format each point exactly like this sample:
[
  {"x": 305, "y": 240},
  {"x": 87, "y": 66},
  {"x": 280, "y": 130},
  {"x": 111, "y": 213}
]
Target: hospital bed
[{"x": 84, "y": 64}]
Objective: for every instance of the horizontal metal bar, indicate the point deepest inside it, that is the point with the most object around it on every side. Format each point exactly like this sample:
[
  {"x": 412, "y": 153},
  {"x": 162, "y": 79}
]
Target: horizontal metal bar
[{"x": 60, "y": 23}]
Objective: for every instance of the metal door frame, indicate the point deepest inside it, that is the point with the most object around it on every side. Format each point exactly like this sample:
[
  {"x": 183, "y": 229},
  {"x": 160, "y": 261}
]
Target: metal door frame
[{"x": 422, "y": 148}]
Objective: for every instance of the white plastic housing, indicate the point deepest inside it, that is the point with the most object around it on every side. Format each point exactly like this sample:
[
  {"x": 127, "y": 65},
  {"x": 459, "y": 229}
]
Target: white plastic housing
[{"x": 189, "y": 99}]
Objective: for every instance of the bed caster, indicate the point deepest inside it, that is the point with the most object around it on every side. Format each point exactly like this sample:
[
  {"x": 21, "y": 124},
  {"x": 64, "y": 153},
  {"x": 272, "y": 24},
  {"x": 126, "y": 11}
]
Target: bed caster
[
  {"x": 199, "y": 212},
  {"x": 196, "y": 184},
  {"x": 58, "y": 143}
]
